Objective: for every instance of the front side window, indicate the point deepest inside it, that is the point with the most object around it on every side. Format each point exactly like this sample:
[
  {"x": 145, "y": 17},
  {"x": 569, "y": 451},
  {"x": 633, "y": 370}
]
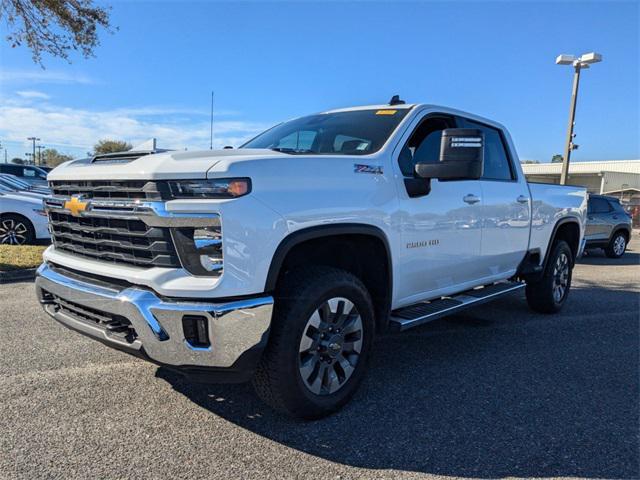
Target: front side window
[
  {"x": 424, "y": 144},
  {"x": 28, "y": 172},
  {"x": 598, "y": 205},
  {"x": 357, "y": 132},
  {"x": 496, "y": 161}
]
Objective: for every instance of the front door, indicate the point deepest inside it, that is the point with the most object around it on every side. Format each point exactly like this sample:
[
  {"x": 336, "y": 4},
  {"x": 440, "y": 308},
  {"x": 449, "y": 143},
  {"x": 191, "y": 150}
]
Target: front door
[{"x": 441, "y": 231}]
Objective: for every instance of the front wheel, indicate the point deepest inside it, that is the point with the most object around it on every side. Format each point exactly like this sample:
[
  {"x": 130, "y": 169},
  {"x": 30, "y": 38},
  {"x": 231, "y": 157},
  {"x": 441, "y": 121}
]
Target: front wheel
[
  {"x": 550, "y": 292},
  {"x": 319, "y": 345},
  {"x": 617, "y": 245}
]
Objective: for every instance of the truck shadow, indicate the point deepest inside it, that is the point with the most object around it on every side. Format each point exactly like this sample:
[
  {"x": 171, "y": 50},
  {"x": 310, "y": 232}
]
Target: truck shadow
[{"x": 494, "y": 393}]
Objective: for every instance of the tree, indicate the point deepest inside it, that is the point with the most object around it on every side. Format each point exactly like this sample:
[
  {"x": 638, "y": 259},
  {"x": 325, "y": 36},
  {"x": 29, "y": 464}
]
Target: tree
[
  {"x": 17, "y": 160},
  {"x": 52, "y": 158},
  {"x": 110, "y": 146},
  {"x": 557, "y": 158},
  {"x": 55, "y": 27}
]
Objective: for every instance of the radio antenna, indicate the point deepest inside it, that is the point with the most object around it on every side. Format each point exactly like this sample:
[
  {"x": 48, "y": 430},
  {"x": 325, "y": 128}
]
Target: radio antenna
[{"x": 211, "y": 128}]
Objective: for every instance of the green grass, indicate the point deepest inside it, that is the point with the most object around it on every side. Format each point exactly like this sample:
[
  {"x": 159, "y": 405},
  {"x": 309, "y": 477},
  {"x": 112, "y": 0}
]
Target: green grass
[{"x": 16, "y": 257}]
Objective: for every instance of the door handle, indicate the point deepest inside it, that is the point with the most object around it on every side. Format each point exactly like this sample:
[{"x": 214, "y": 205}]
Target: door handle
[
  {"x": 522, "y": 199},
  {"x": 470, "y": 199}
]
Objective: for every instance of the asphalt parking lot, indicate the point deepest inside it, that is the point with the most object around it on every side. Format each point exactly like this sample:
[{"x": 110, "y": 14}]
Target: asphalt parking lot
[{"x": 496, "y": 392}]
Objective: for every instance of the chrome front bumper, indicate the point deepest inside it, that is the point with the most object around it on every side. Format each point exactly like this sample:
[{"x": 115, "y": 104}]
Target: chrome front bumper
[{"x": 234, "y": 327}]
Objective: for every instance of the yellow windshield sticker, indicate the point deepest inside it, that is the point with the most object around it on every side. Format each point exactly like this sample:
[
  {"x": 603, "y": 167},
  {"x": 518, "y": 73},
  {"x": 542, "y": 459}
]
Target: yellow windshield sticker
[{"x": 386, "y": 112}]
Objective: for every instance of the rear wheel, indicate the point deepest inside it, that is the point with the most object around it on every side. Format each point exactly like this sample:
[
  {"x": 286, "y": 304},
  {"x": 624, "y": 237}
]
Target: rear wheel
[
  {"x": 549, "y": 293},
  {"x": 319, "y": 345},
  {"x": 617, "y": 245},
  {"x": 16, "y": 230}
]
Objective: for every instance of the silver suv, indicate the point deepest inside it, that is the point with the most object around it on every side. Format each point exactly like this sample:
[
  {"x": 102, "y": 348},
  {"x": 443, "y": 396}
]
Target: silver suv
[{"x": 608, "y": 225}]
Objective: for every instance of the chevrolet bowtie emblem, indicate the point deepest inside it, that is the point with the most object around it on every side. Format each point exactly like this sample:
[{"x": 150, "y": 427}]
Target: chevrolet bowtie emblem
[{"x": 75, "y": 206}]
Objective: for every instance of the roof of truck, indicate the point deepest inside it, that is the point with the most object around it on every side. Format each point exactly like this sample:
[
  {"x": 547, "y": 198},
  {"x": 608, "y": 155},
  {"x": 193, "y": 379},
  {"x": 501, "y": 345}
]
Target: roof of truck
[{"x": 401, "y": 106}]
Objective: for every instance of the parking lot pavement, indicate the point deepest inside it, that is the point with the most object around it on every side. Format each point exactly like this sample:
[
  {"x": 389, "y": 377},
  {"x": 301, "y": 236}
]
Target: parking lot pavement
[{"x": 496, "y": 392}]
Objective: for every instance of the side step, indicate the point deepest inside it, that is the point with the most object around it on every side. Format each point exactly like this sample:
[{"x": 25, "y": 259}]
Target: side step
[{"x": 423, "y": 312}]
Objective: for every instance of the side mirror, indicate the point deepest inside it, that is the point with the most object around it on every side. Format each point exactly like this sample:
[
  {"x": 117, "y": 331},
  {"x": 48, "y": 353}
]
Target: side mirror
[{"x": 461, "y": 156}]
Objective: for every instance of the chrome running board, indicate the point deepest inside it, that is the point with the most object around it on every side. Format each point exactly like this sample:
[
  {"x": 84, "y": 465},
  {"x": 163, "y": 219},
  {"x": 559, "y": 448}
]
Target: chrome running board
[{"x": 423, "y": 312}]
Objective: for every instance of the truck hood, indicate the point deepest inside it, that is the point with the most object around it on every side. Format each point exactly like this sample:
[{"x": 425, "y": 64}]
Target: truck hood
[{"x": 159, "y": 166}]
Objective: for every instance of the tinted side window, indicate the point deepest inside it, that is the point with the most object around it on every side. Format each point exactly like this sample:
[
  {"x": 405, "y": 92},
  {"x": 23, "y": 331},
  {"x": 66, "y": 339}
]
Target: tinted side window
[
  {"x": 12, "y": 169},
  {"x": 496, "y": 161},
  {"x": 598, "y": 205},
  {"x": 424, "y": 144}
]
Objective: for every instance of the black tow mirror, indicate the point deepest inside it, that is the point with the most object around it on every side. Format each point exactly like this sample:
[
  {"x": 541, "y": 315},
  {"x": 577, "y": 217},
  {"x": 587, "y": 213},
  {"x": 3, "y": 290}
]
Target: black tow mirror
[{"x": 461, "y": 156}]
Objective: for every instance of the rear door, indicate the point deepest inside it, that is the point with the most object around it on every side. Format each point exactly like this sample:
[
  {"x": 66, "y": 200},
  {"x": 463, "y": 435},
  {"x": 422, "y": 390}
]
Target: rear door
[{"x": 506, "y": 209}]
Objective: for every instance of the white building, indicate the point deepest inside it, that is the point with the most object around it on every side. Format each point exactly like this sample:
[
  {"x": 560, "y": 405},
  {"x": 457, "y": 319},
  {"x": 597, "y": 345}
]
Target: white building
[{"x": 619, "y": 178}]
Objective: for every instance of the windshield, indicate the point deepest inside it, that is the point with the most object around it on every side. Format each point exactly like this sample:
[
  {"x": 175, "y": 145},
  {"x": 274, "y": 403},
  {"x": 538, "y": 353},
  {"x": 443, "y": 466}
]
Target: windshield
[{"x": 357, "y": 132}]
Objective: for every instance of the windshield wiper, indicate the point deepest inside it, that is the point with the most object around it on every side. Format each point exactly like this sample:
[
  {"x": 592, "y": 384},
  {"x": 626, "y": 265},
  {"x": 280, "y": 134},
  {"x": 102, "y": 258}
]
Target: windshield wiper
[{"x": 292, "y": 150}]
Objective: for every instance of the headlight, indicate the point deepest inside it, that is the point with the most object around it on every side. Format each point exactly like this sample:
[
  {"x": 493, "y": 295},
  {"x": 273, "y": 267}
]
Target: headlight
[{"x": 214, "y": 188}]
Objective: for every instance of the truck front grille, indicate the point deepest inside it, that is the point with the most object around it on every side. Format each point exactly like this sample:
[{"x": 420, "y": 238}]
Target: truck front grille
[
  {"x": 112, "y": 190},
  {"x": 113, "y": 240}
]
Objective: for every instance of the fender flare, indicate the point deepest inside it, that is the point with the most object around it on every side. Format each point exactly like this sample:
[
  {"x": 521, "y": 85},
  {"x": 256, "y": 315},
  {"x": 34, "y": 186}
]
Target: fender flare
[
  {"x": 554, "y": 233},
  {"x": 319, "y": 231},
  {"x": 621, "y": 226}
]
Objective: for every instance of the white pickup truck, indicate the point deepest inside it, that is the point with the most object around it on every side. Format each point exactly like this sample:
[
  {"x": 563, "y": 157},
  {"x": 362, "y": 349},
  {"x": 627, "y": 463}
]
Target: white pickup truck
[{"x": 281, "y": 260}]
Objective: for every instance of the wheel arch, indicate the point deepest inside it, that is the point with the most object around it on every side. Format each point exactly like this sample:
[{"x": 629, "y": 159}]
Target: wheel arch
[
  {"x": 567, "y": 229},
  {"x": 350, "y": 246}
]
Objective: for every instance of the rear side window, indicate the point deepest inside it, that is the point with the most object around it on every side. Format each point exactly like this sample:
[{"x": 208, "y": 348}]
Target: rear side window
[
  {"x": 616, "y": 206},
  {"x": 599, "y": 205},
  {"x": 497, "y": 165},
  {"x": 12, "y": 169}
]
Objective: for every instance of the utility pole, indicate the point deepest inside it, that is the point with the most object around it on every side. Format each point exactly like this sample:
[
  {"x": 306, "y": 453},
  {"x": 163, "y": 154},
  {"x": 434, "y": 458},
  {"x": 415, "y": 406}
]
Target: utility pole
[
  {"x": 578, "y": 64},
  {"x": 34, "y": 140},
  {"x": 40, "y": 147}
]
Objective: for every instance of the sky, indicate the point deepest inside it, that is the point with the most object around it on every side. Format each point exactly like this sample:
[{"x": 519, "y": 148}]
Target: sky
[{"x": 271, "y": 61}]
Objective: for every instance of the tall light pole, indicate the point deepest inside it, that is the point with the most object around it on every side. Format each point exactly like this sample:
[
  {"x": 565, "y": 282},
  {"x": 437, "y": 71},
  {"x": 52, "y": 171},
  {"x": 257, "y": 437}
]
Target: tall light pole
[
  {"x": 34, "y": 140},
  {"x": 578, "y": 64},
  {"x": 40, "y": 147}
]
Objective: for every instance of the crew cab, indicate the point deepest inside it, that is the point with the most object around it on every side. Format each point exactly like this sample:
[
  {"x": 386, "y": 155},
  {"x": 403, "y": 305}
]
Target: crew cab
[{"x": 279, "y": 261}]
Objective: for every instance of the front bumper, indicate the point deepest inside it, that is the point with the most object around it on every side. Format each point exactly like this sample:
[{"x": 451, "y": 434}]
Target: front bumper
[{"x": 238, "y": 330}]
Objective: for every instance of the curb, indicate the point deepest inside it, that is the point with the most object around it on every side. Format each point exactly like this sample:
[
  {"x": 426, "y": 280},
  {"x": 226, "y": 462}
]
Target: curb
[{"x": 18, "y": 275}]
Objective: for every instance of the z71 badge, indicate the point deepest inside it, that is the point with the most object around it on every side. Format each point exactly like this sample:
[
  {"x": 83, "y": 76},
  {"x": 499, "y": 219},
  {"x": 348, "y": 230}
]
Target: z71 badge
[{"x": 361, "y": 168}]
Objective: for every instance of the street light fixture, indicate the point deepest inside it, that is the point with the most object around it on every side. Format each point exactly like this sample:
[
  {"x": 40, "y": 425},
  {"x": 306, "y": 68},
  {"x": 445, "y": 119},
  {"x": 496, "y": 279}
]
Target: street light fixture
[{"x": 578, "y": 63}]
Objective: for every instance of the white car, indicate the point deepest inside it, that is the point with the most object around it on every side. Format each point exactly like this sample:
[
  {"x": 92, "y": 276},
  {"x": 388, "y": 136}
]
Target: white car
[
  {"x": 22, "y": 219},
  {"x": 281, "y": 260}
]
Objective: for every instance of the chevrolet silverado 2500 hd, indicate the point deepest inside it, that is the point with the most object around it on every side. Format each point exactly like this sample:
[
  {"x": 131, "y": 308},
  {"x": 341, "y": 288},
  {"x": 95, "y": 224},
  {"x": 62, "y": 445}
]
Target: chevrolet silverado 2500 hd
[{"x": 279, "y": 261}]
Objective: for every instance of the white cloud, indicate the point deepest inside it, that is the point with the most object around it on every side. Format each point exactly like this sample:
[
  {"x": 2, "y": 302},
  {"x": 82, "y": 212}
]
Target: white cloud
[
  {"x": 32, "y": 94},
  {"x": 44, "y": 76},
  {"x": 81, "y": 129}
]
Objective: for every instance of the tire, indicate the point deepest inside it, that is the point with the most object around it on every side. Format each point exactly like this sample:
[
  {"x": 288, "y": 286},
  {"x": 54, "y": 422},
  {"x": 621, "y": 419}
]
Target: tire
[
  {"x": 16, "y": 230},
  {"x": 617, "y": 245},
  {"x": 285, "y": 378},
  {"x": 543, "y": 294}
]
